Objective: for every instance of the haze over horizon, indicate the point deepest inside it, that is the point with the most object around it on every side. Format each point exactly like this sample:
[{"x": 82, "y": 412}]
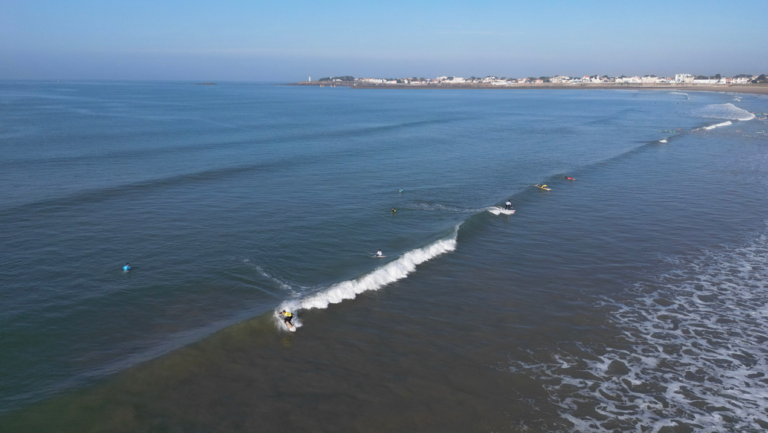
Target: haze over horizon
[{"x": 236, "y": 40}]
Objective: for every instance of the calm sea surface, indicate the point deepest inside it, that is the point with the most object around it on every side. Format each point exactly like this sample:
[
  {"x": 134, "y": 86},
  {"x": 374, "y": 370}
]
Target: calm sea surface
[{"x": 633, "y": 298}]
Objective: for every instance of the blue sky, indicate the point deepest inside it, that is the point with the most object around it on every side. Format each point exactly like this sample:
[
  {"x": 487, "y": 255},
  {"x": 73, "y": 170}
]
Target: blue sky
[{"x": 286, "y": 41}]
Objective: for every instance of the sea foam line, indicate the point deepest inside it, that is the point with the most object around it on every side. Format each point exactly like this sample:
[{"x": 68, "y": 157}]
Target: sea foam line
[{"x": 375, "y": 280}]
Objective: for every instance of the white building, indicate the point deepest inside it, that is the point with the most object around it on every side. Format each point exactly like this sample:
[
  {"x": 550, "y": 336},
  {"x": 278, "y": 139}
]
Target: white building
[
  {"x": 705, "y": 81},
  {"x": 684, "y": 78},
  {"x": 650, "y": 79},
  {"x": 559, "y": 79}
]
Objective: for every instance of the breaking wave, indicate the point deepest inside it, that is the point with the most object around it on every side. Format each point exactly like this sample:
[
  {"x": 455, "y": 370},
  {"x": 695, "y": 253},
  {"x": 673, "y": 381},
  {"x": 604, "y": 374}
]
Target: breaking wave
[
  {"x": 724, "y": 111},
  {"x": 718, "y": 125},
  {"x": 691, "y": 354},
  {"x": 375, "y": 280}
]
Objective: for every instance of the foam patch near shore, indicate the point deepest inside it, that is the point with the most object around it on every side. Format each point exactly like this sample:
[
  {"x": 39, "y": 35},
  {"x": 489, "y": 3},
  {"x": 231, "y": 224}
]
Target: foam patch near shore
[{"x": 691, "y": 351}]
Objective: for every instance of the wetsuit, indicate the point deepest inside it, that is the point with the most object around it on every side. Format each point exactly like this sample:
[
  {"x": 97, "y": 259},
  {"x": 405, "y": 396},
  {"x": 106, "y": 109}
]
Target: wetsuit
[{"x": 287, "y": 317}]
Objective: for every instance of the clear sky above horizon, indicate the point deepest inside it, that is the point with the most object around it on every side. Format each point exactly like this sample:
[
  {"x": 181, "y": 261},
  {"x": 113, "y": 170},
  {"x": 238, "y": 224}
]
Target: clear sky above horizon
[{"x": 242, "y": 40}]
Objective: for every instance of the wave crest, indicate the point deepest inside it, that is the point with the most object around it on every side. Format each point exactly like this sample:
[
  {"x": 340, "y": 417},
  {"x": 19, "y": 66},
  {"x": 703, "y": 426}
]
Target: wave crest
[
  {"x": 718, "y": 125},
  {"x": 375, "y": 280}
]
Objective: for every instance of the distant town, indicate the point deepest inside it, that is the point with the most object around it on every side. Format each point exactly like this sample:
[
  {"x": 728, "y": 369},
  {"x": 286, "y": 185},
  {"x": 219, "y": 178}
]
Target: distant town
[{"x": 559, "y": 80}]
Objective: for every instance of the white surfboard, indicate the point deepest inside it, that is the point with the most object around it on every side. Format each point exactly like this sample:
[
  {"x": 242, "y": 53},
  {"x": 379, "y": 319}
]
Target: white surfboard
[{"x": 288, "y": 326}]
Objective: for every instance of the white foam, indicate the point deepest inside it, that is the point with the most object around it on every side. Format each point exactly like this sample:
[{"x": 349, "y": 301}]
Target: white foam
[
  {"x": 387, "y": 274},
  {"x": 663, "y": 141},
  {"x": 724, "y": 111},
  {"x": 692, "y": 346},
  {"x": 498, "y": 211},
  {"x": 718, "y": 125}
]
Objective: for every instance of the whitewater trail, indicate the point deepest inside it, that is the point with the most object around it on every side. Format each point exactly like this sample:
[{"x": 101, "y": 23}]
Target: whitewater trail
[
  {"x": 717, "y": 125},
  {"x": 375, "y": 280}
]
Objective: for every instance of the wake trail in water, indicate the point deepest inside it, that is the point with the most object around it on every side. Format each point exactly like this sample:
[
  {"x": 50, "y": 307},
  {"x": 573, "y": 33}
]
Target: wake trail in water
[
  {"x": 280, "y": 283},
  {"x": 436, "y": 207},
  {"x": 375, "y": 280},
  {"x": 432, "y": 207}
]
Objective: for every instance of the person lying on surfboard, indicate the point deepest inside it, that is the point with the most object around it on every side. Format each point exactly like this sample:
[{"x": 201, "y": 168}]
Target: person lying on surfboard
[
  {"x": 287, "y": 317},
  {"x": 568, "y": 178}
]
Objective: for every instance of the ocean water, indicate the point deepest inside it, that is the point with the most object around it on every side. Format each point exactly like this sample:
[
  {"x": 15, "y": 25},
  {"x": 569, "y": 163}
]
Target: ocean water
[{"x": 630, "y": 299}]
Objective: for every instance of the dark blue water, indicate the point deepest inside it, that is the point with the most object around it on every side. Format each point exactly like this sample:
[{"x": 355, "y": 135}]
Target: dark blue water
[{"x": 232, "y": 200}]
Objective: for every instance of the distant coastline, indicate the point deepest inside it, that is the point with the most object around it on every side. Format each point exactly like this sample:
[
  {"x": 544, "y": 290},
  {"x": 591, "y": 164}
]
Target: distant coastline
[{"x": 761, "y": 89}]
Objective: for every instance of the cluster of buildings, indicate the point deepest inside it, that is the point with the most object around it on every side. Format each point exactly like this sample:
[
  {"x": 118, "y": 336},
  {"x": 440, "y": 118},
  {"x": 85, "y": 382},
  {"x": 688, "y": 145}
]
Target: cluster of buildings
[{"x": 562, "y": 79}]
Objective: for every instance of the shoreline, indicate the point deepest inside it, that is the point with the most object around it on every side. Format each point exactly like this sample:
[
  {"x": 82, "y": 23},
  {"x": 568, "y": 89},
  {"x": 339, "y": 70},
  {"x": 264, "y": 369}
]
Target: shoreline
[{"x": 756, "y": 89}]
